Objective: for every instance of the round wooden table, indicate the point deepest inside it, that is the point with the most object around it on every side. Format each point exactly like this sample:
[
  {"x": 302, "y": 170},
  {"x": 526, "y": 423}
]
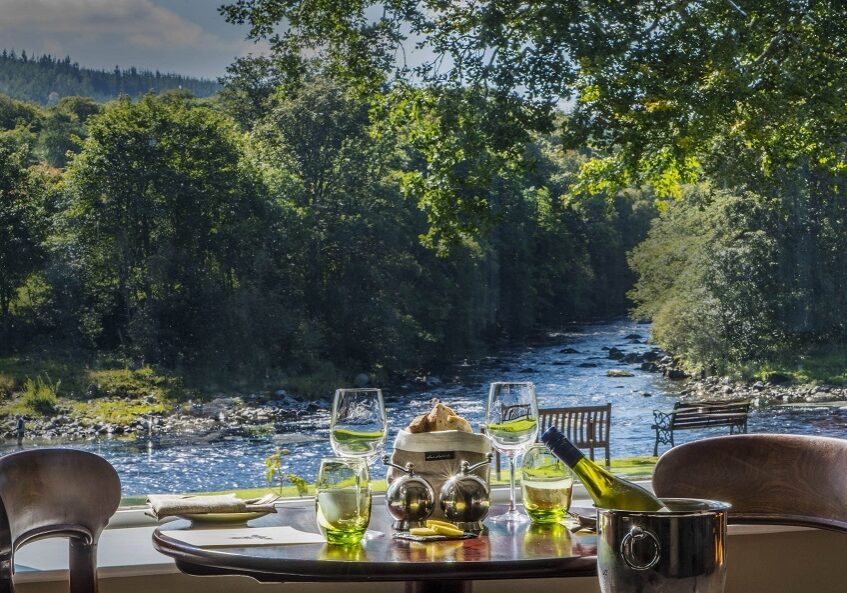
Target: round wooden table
[{"x": 505, "y": 551}]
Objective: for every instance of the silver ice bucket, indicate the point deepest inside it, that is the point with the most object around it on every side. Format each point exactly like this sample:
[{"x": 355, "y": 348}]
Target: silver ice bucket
[{"x": 674, "y": 551}]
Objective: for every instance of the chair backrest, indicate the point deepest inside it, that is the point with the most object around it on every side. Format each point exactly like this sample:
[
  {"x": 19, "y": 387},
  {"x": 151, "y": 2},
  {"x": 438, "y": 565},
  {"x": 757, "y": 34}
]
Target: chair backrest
[
  {"x": 768, "y": 478},
  {"x": 586, "y": 427},
  {"x": 56, "y": 493}
]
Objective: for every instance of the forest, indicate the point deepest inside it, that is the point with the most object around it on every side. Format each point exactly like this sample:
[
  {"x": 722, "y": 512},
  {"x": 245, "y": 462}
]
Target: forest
[
  {"x": 333, "y": 211},
  {"x": 46, "y": 79},
  {"x": 164, "y": 231}
]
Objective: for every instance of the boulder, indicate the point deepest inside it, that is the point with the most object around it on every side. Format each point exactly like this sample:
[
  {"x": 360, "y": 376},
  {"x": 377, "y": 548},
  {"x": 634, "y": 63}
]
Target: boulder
[
  {"x": 650, "y": 367},
  {"x": 675, "y": 374},
  {"x": 778, "y": 378},
  {"x": 568, "y": 351},
  {"x": 615, "y": 353},
  {"x": 634, "y": 337},
  {"x": 618, "y": 373},
  {"x": 651, "y": 355}
]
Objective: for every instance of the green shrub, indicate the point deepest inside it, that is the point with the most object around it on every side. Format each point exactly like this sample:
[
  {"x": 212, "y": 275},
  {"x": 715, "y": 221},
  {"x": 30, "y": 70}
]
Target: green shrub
[
  {"x": 136, "y": 384},
  {"x": 7, "y": 385},
  {"x": 39, "y": 396}
]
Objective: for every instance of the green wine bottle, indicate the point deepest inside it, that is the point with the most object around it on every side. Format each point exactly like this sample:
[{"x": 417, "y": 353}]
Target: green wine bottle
[{"x": 607, "y": 491}]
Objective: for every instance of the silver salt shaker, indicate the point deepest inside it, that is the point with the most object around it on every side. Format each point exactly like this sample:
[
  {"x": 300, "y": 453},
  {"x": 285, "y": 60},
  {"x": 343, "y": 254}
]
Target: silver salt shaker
[
  {"x": 465, "y": 497},
  {"x": 410, "y": 499}
]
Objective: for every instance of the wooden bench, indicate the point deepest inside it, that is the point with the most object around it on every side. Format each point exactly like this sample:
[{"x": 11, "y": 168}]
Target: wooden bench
[
  {"x": 587, "y": 427},
  {"x": 693, "y": 415}
]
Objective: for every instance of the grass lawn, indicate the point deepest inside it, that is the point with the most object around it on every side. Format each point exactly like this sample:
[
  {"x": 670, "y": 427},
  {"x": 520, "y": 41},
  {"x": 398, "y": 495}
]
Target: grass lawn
[{"x": 821, "y": 365}]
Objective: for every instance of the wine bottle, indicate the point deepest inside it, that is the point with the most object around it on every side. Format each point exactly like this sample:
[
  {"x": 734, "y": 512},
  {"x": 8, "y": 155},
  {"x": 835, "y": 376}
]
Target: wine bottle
[{"x": 607, "y": 491}]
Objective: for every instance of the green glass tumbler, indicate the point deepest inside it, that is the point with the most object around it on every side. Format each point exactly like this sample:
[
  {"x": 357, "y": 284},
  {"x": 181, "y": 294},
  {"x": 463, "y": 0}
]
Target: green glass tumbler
[
  {"x": 343, "y": 499},
  {"x": 546, "y": 484}
]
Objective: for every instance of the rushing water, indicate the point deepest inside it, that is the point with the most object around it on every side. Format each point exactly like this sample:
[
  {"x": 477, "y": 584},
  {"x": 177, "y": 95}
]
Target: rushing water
[{"x": 151, "y": 466}]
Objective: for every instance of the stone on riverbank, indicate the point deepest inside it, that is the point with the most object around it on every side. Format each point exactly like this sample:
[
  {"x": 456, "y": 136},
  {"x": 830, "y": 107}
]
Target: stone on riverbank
[{"x": 616, "y": 353}]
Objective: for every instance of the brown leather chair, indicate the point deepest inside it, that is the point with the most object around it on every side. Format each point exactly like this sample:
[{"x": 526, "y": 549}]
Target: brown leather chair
[
  {"x": 56, "y": 493},
  {"x": 769, "y": 478}
]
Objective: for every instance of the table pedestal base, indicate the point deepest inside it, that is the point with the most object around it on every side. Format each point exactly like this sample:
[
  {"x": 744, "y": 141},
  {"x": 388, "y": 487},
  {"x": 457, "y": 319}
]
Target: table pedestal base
[{"x": 439, "y": 586}]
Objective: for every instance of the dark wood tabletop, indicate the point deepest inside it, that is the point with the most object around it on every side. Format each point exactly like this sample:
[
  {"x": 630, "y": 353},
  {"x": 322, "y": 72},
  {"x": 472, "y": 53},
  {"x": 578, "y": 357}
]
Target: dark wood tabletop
[{"x": 503, "y": 551}]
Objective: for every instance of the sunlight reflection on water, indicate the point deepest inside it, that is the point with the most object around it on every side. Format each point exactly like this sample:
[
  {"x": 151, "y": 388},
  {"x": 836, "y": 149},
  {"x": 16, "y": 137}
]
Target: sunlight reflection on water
[{"x": 149, "y": 466}]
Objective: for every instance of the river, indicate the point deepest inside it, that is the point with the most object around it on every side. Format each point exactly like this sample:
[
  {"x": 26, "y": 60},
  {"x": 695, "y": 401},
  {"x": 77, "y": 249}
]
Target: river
[{"x": 149, "y": 465}]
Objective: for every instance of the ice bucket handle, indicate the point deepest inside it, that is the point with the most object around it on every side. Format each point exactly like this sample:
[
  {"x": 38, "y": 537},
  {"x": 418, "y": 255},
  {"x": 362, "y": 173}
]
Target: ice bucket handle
[{"x": 637, "y": 534}]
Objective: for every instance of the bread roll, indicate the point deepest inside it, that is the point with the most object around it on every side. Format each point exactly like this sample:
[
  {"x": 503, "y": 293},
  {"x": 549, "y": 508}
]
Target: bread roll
[
  {"x": 459, "y": 423},
  {"x": 419, "y": 424},
  {"x": 439, "y": 418}
]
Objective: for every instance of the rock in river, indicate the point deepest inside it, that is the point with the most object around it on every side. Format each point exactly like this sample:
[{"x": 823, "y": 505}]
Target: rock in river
[{"x": 618, "y": 373}]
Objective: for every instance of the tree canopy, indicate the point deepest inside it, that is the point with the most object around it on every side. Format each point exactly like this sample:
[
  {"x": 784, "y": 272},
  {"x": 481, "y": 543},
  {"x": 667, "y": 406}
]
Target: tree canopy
[{"x": 659, "y": 90}]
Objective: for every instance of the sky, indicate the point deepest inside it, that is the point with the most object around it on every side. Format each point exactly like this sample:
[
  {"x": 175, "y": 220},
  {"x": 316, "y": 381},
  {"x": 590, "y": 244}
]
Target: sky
[{"x": 181, "y": 36}]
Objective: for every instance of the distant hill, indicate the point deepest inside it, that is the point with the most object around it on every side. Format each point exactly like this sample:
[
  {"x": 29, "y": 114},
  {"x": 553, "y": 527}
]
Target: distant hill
[{"x": 45, "y": 80}]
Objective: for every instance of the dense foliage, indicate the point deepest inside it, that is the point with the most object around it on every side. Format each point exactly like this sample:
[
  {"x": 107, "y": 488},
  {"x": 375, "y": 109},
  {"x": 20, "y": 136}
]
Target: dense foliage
[
  {"x": 286, "y": 245},
  {"x": 45, "y": 79},
  {"x": 732, "y": 280},
  {"x": 747, "y": 97}
]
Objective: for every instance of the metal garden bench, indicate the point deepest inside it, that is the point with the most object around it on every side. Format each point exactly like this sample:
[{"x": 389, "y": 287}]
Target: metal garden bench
[{"x": 694, "y": 415}]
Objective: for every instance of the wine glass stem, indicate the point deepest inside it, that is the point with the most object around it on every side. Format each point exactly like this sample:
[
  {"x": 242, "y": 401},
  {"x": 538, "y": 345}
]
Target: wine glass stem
[{"x": 512, "y": 505}]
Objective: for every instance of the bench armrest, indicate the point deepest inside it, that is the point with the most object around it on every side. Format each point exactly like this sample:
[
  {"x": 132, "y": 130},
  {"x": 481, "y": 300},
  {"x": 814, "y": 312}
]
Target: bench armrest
[{"x": 661, "y": 419}]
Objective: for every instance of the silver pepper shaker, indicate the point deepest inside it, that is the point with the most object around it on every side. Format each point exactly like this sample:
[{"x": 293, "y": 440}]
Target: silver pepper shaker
[
  {"x": 410, "y": 499},
  {"x": 465, "y": 497}
]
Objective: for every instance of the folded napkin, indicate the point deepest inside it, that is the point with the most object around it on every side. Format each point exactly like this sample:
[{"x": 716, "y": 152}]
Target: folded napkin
[{"x": 165, "y": 505}]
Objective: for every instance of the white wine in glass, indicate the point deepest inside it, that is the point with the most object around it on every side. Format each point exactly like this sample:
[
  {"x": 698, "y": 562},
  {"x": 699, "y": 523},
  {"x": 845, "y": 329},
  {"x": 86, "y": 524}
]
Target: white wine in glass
[
  {"x": 358, "y": 424},
  {"x": 511, "y": 423},
  {"x": 358, "y": 427}
]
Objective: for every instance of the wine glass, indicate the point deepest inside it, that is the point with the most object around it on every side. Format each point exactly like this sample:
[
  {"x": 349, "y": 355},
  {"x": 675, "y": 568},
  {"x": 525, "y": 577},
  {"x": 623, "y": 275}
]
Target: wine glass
[
  {"x": 511, "y": 423},
  {"x": 358, "y": 427}
]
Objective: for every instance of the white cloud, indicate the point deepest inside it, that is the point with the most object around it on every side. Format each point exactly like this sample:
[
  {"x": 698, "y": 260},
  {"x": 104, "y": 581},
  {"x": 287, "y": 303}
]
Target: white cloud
[
  {"x": 138, "y": 22},
  {"x": 185, "y": 36}
]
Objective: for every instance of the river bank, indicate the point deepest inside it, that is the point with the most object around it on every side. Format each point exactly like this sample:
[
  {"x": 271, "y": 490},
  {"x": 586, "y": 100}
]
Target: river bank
[
  {"x": 221, "y": 444},
  {"x": 266, "y": 413}
]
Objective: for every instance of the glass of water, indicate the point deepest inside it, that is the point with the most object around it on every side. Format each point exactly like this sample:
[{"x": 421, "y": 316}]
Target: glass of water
[
  {"x": 511, "y": 423},
  {"x": 343, "y": 499},
  {"x": 547, "y": 485}
]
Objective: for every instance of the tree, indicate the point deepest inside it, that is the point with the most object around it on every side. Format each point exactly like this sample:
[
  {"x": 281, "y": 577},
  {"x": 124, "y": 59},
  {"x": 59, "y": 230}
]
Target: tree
[
  {"x": 164, "y": 218},
  {"x": 23, "y": 228},
  {"x": 657, "y": 87}
]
